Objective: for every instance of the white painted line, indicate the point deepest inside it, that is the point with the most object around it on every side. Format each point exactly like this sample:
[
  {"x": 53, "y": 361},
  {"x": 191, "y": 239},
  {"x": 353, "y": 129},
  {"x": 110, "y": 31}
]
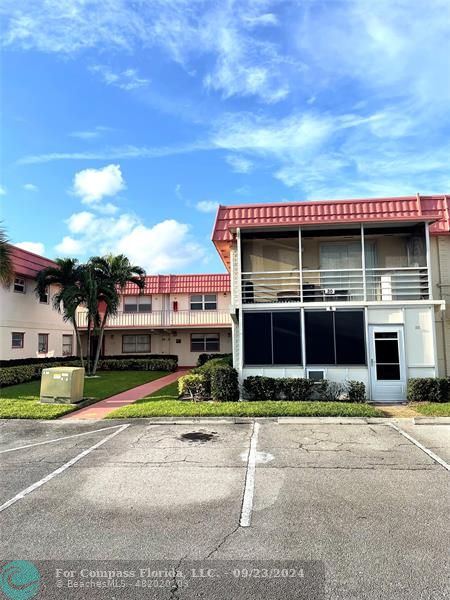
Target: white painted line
[
  {"x": 247, "y": 501},
  {"x": 60, "y": 470},
  {"x": 431, "y": 454},
  {"x": 67, "y": 437}
]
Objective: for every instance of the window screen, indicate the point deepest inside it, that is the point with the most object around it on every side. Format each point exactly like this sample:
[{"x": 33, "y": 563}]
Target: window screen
[
  {"x": 17, "y": 339},
  {"x": 257, "y": 338},
  {"x": 335, "y": 337},
  {"x": 319, "y": 338},
  {"x": 350, "y": 341},
  {"x": 286, "y": 338},
  {"x": 205, "y": 342},
  {"x": 272, "y": 338}
]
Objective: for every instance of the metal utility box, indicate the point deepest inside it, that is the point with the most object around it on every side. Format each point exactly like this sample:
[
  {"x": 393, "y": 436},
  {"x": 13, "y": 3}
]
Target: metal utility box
[{"x": 62, "y": 385}]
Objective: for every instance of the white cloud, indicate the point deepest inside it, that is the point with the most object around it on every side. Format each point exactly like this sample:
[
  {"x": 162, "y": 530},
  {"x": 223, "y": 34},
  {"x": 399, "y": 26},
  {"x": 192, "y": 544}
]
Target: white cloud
[
  {"x": 92, "y": 185},
  {"x": 163, "y": 247},
  {"x": 239, "y": 164},
  {"x": 90, "y": 134},
  {"x": 69, "y": 247},
  {"x": 207, "y": 206},
  {"x": 30, "y": 187},
  {"x": 2, "y": 190},
  {"x": 35, "y": 247},
  {"x": 127, "y": 79}
]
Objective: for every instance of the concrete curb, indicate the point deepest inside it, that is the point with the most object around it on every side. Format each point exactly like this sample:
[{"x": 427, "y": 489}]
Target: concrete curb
[{"x": 431, "y": 420}]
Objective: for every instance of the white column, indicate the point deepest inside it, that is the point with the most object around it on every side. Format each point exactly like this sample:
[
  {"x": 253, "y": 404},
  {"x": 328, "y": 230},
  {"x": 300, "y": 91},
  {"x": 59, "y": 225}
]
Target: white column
[
  {"x": 427, "y": 239},
  {"x": 300, "y": 262},
  {"x": 363, "y": 263},
  {"x": 239, "y": 285}
]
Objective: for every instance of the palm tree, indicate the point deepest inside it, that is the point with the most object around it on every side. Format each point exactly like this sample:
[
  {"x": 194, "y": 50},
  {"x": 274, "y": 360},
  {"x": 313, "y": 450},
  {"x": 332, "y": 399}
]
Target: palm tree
[
  {"x": 6, "y": 264},
  {"x": 112, "y": 273},
  {"x": 68, "y": 275}
]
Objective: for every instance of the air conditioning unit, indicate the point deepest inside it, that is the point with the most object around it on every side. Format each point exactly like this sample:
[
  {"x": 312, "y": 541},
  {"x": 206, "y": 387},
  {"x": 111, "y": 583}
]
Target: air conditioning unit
[{"x": 62, "y": 385}]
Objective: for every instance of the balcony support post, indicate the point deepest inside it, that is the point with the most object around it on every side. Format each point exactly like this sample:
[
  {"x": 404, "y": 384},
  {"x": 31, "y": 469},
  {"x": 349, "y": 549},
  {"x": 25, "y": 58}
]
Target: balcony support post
[
  {"x": 300, "y": 262},
  {"x": 428, "y": 248},
  {"x": 240, "y": 303},
  {"x": 363, "y": 263}
]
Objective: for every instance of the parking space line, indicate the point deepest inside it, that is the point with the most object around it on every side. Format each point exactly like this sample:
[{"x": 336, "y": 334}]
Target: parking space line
[
  {"x": 66, "y": 437},
  {"x": 247, "y": 501},
  {"x": 60, "y": 470},
  {"x": 431, "y": 454}
]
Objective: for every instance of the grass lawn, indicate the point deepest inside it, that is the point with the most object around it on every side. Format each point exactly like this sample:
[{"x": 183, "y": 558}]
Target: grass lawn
[
  {"x": 433, "y": 409},
  {"x": 22, "y": 401},
  {"x": 164, "y": 403}
]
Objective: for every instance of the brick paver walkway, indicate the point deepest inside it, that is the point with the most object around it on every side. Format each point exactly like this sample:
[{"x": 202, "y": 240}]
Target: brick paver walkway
[{"x": 99, "y": 410}]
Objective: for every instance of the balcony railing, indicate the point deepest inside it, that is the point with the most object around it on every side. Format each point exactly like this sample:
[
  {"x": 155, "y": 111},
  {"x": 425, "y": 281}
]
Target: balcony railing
[
  {"x": 161, "y": 318},
  {"x": 340, "y": 285}
]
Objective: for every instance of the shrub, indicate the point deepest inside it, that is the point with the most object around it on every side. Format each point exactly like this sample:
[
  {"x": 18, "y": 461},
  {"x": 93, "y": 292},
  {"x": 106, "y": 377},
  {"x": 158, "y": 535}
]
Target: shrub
[
  {"x": 63, "y": 360},
  {"x": 258, "y": 387},
  {"x": 25, "y": 373},
  {"x": 204, "y": 358},
  {"x": 137, "y": 364},
  {"x": 330, "y": 391},
  {"x": 193, "y": 385},
  {"x": 295, "y": 388},
  {"x": 428, "y": 389},
  {"x": 356, "y": 391},
  {"x": 224, "y": 384}
]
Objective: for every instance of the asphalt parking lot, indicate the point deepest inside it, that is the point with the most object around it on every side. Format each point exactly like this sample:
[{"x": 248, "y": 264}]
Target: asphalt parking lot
[{"x": 271, "y": 509}]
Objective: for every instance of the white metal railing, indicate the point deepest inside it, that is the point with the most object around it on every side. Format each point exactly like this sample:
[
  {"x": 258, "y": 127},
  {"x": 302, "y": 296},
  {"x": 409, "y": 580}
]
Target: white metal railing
[
  {"x": 161, "y": 318},
  {"x": 339, "y": 285}
]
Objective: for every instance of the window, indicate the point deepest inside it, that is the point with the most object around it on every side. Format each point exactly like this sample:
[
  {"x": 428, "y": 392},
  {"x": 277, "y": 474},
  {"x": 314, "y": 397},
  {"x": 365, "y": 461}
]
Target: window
[
  {"x": 135, "y": 343},
  {"x": 43, "y": 298},
  {"x": 204, "y": 302},
  {"x": 42, "y": 343},
  {"x": 67, "y": 345},
  {"x": 137, "y": 304},
  {"x": 19, "y": 285},
  {"x": 272, "y": 338},
  {"x": 335, "y": 337},
  {"x": 17, "y": 339},
  {"x": 205, "y": 342}
]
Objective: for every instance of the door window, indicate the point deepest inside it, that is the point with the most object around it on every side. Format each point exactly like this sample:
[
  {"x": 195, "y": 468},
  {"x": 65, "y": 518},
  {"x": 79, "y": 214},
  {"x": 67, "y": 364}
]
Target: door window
[{"x": 387, "y": 355}]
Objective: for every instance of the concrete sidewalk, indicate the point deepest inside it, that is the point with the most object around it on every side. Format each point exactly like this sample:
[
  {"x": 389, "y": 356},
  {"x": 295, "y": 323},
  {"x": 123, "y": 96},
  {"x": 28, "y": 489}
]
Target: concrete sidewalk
[{"x": 99, "y": 410}]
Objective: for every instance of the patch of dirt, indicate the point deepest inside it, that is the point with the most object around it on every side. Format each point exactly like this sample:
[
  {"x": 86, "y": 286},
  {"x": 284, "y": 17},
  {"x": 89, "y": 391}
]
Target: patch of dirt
[{"x": 398, "y": 410}]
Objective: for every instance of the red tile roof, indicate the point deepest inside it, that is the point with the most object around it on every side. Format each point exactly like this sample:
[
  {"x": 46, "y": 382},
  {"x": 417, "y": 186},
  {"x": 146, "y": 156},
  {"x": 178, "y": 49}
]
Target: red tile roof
[
  {"x": 183, "y": 284},
  {"x": 369, "y": 210},
  {"x": 27, "y": 263}
]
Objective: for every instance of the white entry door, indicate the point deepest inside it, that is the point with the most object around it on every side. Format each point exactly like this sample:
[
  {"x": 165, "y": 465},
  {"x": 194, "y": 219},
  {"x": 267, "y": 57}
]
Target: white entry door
[{"x": 387, "y": 363}]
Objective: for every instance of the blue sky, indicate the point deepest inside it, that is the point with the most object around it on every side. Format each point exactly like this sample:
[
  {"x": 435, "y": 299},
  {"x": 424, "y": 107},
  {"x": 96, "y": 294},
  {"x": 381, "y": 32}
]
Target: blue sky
[{"x": 125, "y": 123}]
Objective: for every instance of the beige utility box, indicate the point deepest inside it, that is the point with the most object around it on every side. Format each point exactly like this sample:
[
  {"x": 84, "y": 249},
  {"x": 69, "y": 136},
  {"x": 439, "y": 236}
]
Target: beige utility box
[{"x": 62, "y": 385}]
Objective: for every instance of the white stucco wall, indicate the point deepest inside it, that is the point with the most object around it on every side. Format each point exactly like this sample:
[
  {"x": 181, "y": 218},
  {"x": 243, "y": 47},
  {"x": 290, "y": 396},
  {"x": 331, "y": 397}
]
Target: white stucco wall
[
  {"x": 24, "y": 313},
  {"x": 166, "y": 343}
]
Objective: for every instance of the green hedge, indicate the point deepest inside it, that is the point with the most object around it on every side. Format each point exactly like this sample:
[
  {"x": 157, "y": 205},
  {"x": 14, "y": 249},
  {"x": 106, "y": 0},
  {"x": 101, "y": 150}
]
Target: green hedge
[
  {"x": 299, "y": 389},
  {"x": 195, "y": 386},
  {"x": 24, "y": 373},
  {"x": 205, "y": 382},
  {"x": 428, "y": 389},
  {"x": 224, "y": 384},
  {"x": 137, "y": 364},
  {"x": 204, "y": 358}
]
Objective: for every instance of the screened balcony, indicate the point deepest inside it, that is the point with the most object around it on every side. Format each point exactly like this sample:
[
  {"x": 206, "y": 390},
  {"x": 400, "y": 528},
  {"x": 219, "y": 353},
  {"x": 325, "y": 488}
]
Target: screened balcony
[{"x": 366, "y": 264}]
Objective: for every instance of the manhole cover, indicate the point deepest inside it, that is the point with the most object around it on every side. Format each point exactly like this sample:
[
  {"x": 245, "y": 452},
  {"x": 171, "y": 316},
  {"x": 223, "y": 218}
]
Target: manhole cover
[{"x": 198, "y": 436}]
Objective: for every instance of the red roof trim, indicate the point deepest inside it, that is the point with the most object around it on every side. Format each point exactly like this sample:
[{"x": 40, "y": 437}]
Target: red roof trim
[
  {"x": 203, "y": 283},
  {"x": 28, "y": 264},
  {"x": 433, "y": 209}
]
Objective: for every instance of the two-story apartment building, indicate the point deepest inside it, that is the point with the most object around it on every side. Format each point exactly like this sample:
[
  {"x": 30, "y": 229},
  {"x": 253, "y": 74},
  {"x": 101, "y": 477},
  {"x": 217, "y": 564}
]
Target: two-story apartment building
[
  {"x": 29, "y": 326},
  {"x": 184, "y": 315},
  {"x": 340, "y": 290}
]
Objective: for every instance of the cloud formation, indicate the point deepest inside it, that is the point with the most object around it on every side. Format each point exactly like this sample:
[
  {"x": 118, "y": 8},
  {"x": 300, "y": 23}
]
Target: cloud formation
[
  {"x": 35, "y": 247},
  {"x": 207, "y": 206},
  {"x": 167, "y": 246},
  {"x": 92, "y": 185}
]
